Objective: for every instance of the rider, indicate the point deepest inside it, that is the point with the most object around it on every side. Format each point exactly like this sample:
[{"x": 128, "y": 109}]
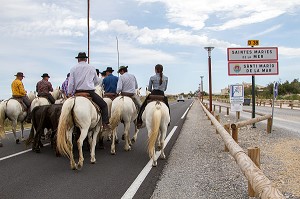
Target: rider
[
  {"x": 44, "y": 87},
  {"x": 64, "y": 86},
  {"x": 110, "y": 82},
  {"x": 83, "y": 78},
  {"x": 157, "y": 86},
  {"x": 127, "y": 85},
  {"x": 18, "y": 91}
]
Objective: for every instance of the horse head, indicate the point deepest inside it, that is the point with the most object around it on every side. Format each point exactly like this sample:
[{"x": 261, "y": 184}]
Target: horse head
[
  {"x": 99, "y": 90},
  {"x": 31, "y": 95},
  {"x": 57, "y": 93}
]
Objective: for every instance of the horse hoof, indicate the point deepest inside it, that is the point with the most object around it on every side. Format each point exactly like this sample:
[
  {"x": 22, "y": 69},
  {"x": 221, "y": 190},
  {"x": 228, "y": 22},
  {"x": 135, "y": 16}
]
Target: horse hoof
[
  {"x": 154, "y": 164},
  {"x": 17, "y": 141},
  {"x": 117, "y": 141},
  {"x": 158, "y": 148},
  {"x": 123, "y": 137},
  {"x": 1, "y": 145},
  {"x": 113, "y": 153},
  {"x": 133, "y": 140}
]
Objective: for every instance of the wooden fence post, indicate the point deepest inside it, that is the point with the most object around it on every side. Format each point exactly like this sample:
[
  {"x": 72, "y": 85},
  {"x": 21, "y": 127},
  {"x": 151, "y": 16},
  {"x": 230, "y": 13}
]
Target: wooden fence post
[
  {"x": 280, "y": 105},
  {"x": 269, "y": 125},
  {"x": 220, "y": 109},
  {"x": 214, "y": 107},
  {"x": 227, "y": 128},
  {"x": 213, "y": 113},
  {"x": 235, "y": 132},
  {"x": 254, "y": 155},
  {"x": 227, "y": 111},
  {"x": 218, "y": 119}
]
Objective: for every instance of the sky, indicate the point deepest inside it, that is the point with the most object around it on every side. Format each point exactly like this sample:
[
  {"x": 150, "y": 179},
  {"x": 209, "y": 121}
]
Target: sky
[{"x": 45, "y": 36}]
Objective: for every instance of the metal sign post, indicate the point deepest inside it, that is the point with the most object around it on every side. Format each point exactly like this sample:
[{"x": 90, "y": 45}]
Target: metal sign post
[{"x": 275, "y": 94}]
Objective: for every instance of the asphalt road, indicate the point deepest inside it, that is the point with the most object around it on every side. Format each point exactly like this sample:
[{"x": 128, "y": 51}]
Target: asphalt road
[
  {"x": 283, "y": 118},
  {"x": 31, "y": 175}
]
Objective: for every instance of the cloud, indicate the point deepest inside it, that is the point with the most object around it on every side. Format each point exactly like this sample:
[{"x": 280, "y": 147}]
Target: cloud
[
  {"x": 230, "y": 13},
  {"x": 273, "y": 28},
  {"x": 289, "y": 52}
]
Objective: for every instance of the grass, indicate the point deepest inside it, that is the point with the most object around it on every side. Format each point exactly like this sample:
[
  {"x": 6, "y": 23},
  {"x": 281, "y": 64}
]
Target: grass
[{"x": 8, "y": 126}]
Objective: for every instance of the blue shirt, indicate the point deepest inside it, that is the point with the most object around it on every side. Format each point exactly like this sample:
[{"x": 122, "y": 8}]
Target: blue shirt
[
  {"x": 154, "y": 83},
  {"x": 110, "y": 83}
]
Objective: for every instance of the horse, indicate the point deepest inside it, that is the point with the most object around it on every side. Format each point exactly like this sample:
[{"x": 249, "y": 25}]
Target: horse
[
  {"x": 15, "y": 112},
  {"x": 39, "y": 101},
  {"x": 156, "y": 117},
  {"x": 123, "y": 110},
  {"x": 78, "y": 111}
]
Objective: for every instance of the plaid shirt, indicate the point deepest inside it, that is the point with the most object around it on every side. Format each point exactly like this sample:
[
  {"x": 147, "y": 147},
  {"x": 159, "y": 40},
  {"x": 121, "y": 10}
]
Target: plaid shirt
[
  {"x": 64, "y": 86},
  {"x": 43, "y": 87}
]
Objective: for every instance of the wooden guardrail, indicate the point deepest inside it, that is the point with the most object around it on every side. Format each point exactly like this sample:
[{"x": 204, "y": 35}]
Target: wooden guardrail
[{"x": 259, "y": 182}]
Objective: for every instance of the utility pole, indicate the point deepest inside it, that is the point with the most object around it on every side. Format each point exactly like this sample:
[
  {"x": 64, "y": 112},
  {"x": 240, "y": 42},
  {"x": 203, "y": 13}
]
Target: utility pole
[
  {"x": 88, "y": 24},
  {"x": 209, "y": 49},
  {"x": 201, "y": 88}
]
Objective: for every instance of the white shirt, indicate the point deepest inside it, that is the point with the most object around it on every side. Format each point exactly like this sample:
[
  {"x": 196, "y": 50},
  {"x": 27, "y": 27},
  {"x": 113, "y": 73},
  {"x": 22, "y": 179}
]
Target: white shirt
[
  {"x": 127, "y": 83},
  {"x": 82, "y": 77}
]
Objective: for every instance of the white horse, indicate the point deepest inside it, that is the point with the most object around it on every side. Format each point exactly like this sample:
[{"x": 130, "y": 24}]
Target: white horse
[
  {"x": 40, "y": 101},
  {"x": 81, "y": 112},
  {"x": 123, "y": 110},
  {"x": 156, "y": 117},
  {"x": 15, "y": 112}
]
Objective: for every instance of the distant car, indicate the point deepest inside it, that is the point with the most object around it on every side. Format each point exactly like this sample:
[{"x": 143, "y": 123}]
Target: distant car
[{"x": 180, "y": 98}]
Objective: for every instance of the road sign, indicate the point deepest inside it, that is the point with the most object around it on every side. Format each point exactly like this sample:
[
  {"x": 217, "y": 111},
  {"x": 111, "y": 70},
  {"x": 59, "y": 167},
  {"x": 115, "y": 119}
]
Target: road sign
[
  {"x": 237, "y": 93},
  {"x": 253, "y": 42},
  {"x": 275, "y": 90},
  {"x": 252, "y": 54},
  {"x": 252, "y": 68}
]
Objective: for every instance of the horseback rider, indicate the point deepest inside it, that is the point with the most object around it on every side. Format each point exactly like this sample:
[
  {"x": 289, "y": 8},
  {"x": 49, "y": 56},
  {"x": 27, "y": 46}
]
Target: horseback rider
[
  {"x": 44, "y": 87},
  {"x": 157, "y": 86},
  {"x": 110, "y": 83},
  {"x": 18, "y": 91},
  {"x": 83, "y": 79},
  {"x": 103, "y": 75},
  {"x": 64, "y": 86},
  {"x": 127, "y": 86}
]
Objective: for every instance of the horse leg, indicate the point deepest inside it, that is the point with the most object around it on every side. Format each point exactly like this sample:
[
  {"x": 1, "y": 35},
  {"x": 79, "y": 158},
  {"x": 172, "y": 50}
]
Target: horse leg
[
  {"x": 154, "y": 163},
  {"x": 83, "y": 134},
  {"x": 94, "y": 142},
  {"x": 14, "y": 126},
  {"x": 22, "y": 131},
  {"x": 69, "y": 143},
  {"x": 159, "y": 142},
  {"x": 113, "y": 146},
  {"x": 126, "y": 137},
  {"x": 136, "y": 130},
  {"x": 162, "y": 141}
]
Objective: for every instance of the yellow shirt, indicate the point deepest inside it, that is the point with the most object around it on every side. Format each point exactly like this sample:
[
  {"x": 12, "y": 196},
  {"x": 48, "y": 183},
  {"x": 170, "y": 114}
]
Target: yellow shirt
[{"x": 17, "y": 88}]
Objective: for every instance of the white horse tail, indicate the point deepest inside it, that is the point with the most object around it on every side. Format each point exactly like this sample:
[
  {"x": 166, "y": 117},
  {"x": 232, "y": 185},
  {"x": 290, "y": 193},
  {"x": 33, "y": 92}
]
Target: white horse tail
[
  {"x": 65, "y": 124},
  {"x": 2, "y": 119},
  {"x": 156, "y": 119},
  {"x": 116, "y": 115}
]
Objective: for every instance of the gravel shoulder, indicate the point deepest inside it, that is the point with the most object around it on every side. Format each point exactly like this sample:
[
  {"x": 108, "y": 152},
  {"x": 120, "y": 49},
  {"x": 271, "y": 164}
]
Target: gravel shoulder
[{"x": 198, "y": 167}]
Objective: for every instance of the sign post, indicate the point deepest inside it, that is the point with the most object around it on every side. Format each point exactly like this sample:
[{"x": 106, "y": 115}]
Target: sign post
[
  {"x": 252, "y": 61},
  {"x": 275, "y": 94},
  {"x": 236, "y": 98}
]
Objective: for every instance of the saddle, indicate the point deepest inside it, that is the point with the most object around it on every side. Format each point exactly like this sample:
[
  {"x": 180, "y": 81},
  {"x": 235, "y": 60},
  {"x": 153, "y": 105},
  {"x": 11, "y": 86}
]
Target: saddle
[
  {"x": 88, "y": 96},
  {"x": 127, "y": 94},
  {"x": 111, "y": 96},
  {"x": 20, "y": 100},
  {"x": 152, "y": 98}
]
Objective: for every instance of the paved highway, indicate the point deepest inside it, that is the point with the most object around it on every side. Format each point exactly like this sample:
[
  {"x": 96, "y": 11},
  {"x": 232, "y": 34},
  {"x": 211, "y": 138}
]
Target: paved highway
[
  {"x": 25, "y": 174},
  {"x": 283, "y": 118}
]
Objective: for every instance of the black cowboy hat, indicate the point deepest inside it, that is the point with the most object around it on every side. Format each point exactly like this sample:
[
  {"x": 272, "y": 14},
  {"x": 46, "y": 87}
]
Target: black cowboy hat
[
  {"x": 103, "y": 73},
  {"x": 122, "y": 67},
  {"x": 19, "y": 74},
  {"x": 109, "y": 69},
  {"x": 81, "y": 55},
  {"x": 45, "y": 75}
]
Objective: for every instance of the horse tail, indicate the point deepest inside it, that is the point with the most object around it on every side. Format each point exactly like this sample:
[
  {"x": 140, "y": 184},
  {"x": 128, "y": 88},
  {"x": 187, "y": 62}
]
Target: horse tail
[
  {"x": 65, "y": 123},
  {"x": 116, "y": 115},
  {"x": 2, "y": 119},
  {"x": 156, "y": 119}
]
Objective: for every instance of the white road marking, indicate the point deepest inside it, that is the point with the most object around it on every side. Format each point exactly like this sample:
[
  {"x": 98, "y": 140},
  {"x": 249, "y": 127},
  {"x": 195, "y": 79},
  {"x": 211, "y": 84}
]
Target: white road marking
[
  {"x": 131, "y": 191},
  {"x": 19, "y": 153},
  {"x": 187, "y": 110}
]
